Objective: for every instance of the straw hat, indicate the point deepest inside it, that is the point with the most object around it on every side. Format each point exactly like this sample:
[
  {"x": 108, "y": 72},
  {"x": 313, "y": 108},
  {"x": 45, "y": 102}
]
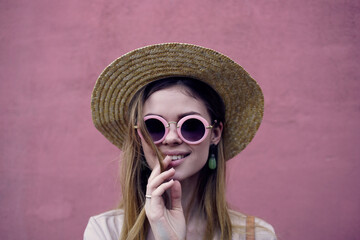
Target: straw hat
[{"x": 118, "y": 83}]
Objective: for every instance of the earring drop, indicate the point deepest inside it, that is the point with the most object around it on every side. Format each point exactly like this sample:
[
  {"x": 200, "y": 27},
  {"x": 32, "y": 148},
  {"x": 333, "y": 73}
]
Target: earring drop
[{"x": 212, "y": 161}]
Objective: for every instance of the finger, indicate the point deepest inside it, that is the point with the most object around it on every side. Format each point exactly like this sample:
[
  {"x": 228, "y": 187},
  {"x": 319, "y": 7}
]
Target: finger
[
  {"x": 158, "y": 180},
  {"x": 175, "y": 194},
  {"x": 157, "y": 170},
  {"x": 159, "y": 191},
  {"x": 166, "y": 161}
]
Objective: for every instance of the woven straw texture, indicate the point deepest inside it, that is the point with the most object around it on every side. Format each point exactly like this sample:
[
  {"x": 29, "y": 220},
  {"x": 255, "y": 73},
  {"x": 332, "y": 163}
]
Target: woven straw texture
[{"x": 118, "y": 83}]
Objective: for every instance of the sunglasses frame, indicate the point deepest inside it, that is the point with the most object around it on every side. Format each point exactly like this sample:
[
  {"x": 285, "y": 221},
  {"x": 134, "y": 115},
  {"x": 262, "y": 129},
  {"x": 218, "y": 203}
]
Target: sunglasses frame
[{"x": 166, "y": 124}]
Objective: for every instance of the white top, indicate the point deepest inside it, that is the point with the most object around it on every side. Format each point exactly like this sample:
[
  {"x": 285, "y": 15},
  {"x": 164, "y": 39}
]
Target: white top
[{"x": 107, "y": 226}]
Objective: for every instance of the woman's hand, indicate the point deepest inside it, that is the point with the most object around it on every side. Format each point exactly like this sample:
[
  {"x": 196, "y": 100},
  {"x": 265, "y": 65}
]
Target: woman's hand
[{"x": 165, "y": 223}]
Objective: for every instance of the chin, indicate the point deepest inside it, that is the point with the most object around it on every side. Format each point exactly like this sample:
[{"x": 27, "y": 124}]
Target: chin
[{"x": 181, "y": 176}]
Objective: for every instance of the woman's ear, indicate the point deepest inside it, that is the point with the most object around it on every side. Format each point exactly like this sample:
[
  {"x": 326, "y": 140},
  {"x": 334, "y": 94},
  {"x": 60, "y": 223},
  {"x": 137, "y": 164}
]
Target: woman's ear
[{"x": 216, "y": 133}]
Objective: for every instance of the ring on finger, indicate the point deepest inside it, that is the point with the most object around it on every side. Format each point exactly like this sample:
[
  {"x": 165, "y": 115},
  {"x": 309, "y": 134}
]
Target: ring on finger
[{"x": 148, "y": 196}]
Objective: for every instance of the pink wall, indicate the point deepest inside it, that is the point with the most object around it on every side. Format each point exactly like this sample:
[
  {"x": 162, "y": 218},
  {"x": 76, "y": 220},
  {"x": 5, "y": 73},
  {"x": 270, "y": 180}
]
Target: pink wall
[{"x": 301, "y": 173}]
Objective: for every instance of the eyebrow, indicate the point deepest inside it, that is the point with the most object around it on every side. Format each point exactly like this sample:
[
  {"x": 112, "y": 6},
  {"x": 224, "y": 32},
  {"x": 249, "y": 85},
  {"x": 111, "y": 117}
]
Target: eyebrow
[
  {"x": 179, "y": 116},
  {"x": 187, "y": 114}
]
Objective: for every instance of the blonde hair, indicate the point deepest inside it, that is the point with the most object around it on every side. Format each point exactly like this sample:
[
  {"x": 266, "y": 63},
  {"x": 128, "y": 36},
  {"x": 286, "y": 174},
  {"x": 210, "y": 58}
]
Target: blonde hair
[{"x": 210, "y": 189}]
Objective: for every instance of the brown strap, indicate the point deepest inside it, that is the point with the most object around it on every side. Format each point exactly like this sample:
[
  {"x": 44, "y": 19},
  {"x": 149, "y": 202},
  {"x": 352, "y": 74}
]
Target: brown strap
[{"x": 250, "y": 228}]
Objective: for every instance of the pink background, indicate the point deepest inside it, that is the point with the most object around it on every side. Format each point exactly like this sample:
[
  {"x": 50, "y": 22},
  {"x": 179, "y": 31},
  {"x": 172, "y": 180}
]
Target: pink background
[{"x": 301, "y": 172}]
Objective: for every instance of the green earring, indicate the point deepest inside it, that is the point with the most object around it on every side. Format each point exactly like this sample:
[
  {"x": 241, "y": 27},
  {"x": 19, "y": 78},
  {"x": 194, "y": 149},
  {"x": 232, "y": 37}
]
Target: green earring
[{"x": 212, "y": 161}]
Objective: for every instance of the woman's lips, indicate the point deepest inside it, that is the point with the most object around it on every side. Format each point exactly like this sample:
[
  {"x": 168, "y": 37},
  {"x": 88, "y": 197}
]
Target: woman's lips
[
  {"x": 176, "y": 160},
  {"x": 176, "y": 157}
]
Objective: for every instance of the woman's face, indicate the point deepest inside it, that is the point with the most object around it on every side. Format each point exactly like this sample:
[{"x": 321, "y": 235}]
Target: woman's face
[{"x": 172, "y": 104}]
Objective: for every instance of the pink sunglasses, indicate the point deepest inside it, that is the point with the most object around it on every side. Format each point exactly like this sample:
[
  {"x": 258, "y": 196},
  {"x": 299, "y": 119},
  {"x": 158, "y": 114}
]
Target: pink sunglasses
[{"x": 192, "y": 129}]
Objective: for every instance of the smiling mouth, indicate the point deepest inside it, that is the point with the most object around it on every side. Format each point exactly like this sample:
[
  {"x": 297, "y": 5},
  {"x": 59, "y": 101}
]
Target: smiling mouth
[{"x": 178, "y": 157}]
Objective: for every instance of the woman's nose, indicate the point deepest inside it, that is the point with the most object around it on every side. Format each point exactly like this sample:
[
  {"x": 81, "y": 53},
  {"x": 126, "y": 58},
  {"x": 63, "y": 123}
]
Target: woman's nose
[{"x": 172, "y": 137}]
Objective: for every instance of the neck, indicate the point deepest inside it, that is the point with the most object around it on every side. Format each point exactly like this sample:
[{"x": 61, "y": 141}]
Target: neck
[
  {"x": 189, "y": 191},
  {"x": 193, "y": 214}
]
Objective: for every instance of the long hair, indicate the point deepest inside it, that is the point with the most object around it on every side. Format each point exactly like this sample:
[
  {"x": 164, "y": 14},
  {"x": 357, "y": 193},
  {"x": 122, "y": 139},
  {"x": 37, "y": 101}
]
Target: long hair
[{"x": 210, "y": 188}]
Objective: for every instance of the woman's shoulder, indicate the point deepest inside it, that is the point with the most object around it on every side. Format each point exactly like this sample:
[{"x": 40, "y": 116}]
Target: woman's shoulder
[
  {"x": 106, "y": 225},
  {"x": 263, "y": 230}
]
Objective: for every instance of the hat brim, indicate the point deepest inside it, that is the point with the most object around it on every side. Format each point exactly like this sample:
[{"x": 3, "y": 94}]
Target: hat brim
[{"x": 118, "y": 83}]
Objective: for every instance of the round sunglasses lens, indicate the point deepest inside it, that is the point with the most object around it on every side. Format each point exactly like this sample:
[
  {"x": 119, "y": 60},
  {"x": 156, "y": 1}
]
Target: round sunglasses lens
[
  {"x": 155, "y": 128},
  {"x": 192, "y": 130}
]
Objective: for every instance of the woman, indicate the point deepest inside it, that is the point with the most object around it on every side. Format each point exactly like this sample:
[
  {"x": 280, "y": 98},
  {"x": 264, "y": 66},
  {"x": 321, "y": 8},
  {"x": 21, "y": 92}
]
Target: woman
[{"x": 178, "y": 112}]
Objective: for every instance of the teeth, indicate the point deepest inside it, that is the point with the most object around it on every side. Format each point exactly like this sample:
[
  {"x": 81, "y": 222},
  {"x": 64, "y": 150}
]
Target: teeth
[{"x": 177, "y": 157}]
